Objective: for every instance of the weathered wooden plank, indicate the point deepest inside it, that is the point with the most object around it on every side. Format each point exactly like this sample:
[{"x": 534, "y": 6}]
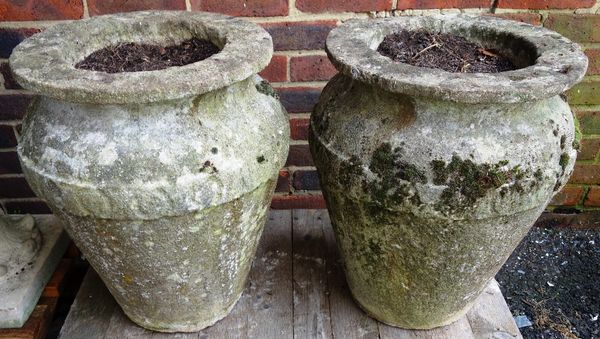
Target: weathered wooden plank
[
  {"x": 265, "y": 308},
  {"x": 459, "y": 329},
  {"x": 91, "y": 312},
  {"x": 271, "y": 291},
  {"x": 347, "y": 319},
  {"x": 296, "y": 289},
  {"x": 490, "y": 317},
  {"x": 311, "y": 303}
]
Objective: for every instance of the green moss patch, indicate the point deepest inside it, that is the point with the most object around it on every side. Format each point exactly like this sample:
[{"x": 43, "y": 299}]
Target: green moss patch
[{"x": 467, "y": 181}]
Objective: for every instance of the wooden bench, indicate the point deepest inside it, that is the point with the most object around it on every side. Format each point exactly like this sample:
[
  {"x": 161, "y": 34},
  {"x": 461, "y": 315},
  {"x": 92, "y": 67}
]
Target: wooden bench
[{"x": 296, "y": 289}]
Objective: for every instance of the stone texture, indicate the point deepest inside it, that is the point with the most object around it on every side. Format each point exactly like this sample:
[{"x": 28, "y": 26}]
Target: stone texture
[
  {"x": 560, "y": 63},
  {"x": 433, "y": 178},
  {"x": 44, "y": 64},
  {"x": 163, "y": 177},
  {"x": 30, "y": 249}
]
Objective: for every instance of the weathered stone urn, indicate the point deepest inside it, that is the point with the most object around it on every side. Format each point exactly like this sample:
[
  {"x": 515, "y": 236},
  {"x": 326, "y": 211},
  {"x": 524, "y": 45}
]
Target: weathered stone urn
[
  {"x": 432, "y": 178},
  {"x": 163, "y": 177}
]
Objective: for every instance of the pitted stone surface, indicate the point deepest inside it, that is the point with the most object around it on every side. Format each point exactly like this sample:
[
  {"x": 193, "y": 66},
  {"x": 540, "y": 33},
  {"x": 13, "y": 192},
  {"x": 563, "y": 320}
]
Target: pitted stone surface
[
  {"x": 553, "y": 62},
  {"x": 146, "y": 161},
  {"x": 163, "y": 177},
  {"x": 432, "y": 178},
  {"x": 45, "y": 63},
  {"x": 30, "y": 249}
]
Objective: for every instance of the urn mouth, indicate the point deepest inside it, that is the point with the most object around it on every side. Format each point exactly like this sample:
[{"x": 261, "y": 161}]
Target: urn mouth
[
  {"x": 45, "y": 63},
  {"x": 549, "y": 63}
]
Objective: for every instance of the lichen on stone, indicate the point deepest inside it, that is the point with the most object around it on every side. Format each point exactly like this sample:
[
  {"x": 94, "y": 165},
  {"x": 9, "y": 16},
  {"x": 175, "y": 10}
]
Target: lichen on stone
[
  {"x": 467, "y": 181},
  {"x": 265, "y": 88},
  {"x": 395, "y": 179}
]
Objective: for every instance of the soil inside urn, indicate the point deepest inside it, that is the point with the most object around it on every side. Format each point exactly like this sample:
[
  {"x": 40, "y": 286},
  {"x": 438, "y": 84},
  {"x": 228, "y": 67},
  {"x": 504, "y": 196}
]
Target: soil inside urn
[
  {"x": 448, "y": 52},
  {"x": 135, "y": 57}
]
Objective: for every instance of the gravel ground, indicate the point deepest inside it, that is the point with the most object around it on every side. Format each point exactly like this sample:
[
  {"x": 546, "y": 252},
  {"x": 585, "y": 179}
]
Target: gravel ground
[{"x": 553, "y": 278}]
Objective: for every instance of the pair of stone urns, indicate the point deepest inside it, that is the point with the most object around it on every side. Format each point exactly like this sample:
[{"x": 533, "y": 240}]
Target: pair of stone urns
[{"x": 164, "y": 178}]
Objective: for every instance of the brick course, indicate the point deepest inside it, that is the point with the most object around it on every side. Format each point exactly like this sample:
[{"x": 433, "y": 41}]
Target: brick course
[
  {"x": 99, "y": 7},
  {"x": 299, "y": 70}
]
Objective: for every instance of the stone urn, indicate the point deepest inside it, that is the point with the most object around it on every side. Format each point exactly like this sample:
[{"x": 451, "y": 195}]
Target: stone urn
[
  {"x": 164, "y": 178},
  {"x": 432, "y": 178}
]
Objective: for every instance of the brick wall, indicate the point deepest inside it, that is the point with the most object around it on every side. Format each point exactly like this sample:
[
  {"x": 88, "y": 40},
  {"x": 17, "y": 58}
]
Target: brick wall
[{"x": 300, "y": 69}]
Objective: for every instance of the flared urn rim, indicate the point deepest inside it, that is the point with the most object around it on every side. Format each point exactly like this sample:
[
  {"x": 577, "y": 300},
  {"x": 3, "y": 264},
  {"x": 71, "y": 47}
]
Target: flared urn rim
[
  {"x": 551, "y": 63},
  {"x": 45, "y": 62}
]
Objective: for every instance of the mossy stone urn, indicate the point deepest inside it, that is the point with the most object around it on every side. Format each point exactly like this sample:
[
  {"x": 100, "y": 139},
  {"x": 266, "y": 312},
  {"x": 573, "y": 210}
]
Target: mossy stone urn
[
  {"x": 432, "y": 178},
  {"x": 163, "y": 177}
]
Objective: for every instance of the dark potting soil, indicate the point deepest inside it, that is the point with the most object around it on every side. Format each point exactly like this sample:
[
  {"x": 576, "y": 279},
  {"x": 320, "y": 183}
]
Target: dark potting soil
[
  {"x": 553, "y": 278},
  {"x": 448, "y": 52},
  {"x": 135, "y": 57}
]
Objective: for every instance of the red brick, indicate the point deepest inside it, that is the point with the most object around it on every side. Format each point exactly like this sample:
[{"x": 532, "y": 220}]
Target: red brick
[
  {"x": 276, "y": 71},
  {"x": 577, "y": 27},
  {"x": 32, "y": 10},
  {"x": 306, "y": 180},
  {"x": 311, "y": 68},
  {"x": 299, "y": 99},
  {"x": 299, "y": 129},
  {"x": 593, "y": 197},
  {"x": 15, "y": 187},
  {"x": 9, "y": 163},
  {"x": 585, "y": 220},
  {"x": 530, "y": 18},
  {"x": 545, "y": 4},
  {"x": 586, "y": 174},
  {"x": 243, "y": 7},
  {"x": 9, "y": 80},
  {"x": 99, "y": 7},
  {"x": 434, "y": 4},
  {"x": 568, "y": 196},
  {"x": 589, "y": 121},
  {"x": 593, "y": 55},
  {"x": 11, "y": 37},
  {"x": 305, "y": 35},
  {"x": 14, "y": 104},
  {"x": 283, "y": 182},
  {"x": 585, "y": 93},
  {"x": 22, "y": 207},
  {"x": 299, "y": 155},
  {"x": 589, "y": 149},
  {"x": 319, "y": 6},
  {"x": 298, "y": 201},
  {"x": 7, "y": 137}
]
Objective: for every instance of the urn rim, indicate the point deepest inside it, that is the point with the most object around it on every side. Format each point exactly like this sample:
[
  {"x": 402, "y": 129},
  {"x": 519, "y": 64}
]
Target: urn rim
[
  {"x": 555, "y": 63},
  {"x": 45, "y": 62}
]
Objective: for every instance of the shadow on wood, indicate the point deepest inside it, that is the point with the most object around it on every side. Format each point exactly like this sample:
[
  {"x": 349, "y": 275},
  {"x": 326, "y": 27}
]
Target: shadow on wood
[{"x": 296, "y": 289}]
